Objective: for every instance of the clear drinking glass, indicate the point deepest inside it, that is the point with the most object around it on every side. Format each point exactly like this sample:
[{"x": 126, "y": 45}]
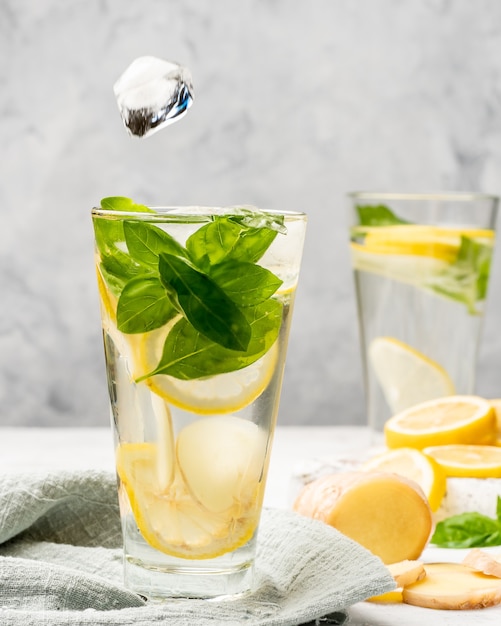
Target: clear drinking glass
[
  {"x": 421, "y": 266},
  {"x": 196, "y": 307}
]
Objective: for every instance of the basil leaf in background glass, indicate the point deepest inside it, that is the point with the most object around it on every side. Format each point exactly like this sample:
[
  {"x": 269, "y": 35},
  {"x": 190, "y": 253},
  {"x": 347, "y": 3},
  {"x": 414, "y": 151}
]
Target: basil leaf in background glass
[
  {"x": 144, "y": 305},
  {"x": 377, "y": 215},
  {"x": 188, "y": 354},
  {"x": 146, "y": 241},
  {"x": 466, "y": 279},
  {"x": 205, "y": 304},
  {"x": 245, "y": 283},
  {"x": 225, "y": 239}
]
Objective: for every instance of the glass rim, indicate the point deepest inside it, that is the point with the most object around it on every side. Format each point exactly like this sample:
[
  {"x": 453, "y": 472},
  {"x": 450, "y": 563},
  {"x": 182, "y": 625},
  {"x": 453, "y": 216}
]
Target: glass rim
[
  {"x": 446, "y": 196},
  {"x": 190, "y": 213}
]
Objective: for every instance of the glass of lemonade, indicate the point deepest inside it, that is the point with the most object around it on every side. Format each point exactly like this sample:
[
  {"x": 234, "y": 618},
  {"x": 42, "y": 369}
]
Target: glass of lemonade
[
  {"x": 421, "y": 266},
  {"x": 196, "y": 306}
]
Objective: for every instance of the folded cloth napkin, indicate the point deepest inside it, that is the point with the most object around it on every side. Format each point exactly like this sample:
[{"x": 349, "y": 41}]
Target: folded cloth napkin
[{"x": 61, "y": 563}]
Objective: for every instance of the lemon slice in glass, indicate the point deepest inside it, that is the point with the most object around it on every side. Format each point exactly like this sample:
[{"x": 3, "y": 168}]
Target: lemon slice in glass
[
  {"x": 439, "y": 242},
  {"x": 449, "y": 420},
  {"x": 416, "y": 466},
  {"x": 468, "y": 461},
  {"x": 407, "y": 376},
  {"x": 222, "y": 393}
]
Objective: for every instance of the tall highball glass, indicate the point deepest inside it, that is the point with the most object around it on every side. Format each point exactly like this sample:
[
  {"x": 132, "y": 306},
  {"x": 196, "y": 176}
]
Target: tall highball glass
[{"x": 196, "y": 307}]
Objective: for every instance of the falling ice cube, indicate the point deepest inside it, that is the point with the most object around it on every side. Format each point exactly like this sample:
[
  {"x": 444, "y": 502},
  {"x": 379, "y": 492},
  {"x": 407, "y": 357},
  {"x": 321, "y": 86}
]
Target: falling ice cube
[{"x": 153, "y": 93}]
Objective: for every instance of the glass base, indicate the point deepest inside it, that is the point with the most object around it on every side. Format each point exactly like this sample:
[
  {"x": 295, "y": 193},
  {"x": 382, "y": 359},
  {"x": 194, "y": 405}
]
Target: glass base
[
  {"x": 159, "y": 577},
  {"x": 159, "y": 584}
]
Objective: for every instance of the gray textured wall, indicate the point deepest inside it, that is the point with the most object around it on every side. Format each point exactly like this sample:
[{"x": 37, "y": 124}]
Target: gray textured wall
[{"x": 296, "y": 104}]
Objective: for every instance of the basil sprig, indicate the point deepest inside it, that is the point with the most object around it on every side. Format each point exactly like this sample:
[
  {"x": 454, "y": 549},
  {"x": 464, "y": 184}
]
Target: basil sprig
[
  {"x": 465, "y": 279},
  {"x": 469, "y": 530},
  {"x": 228, "y": 318}
]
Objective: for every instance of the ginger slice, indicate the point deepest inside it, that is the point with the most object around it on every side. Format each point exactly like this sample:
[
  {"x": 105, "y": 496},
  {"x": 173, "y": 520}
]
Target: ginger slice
[
  {"x": 384, "y": 512},
  {"x": 407, "y": 572},
  {"x": 486, "y": 562},
  {"x": 453, "y": 586}
]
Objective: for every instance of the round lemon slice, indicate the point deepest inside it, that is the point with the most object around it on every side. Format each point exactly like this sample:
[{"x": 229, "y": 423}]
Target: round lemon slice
[
  {"x": 171, "y": 519},
  {"x": 448, "y": 420},
  {"x": 407, "y": 376},
  {"x": 223, "y": 393},
  {"x": 468, "y": 461},
  {"x": 416, "y": 466}
]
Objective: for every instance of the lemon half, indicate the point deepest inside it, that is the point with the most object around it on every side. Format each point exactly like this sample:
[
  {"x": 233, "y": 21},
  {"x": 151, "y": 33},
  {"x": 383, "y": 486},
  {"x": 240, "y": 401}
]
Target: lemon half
[
  {"x": 416, "y": 466},
  {"x": 449, "y": 420},
  {"x": 467, "y": 461}
]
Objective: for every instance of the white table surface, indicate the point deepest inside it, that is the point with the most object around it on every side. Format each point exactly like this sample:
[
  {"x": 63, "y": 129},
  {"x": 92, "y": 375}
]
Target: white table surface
[{"x": 28, "y": 449}]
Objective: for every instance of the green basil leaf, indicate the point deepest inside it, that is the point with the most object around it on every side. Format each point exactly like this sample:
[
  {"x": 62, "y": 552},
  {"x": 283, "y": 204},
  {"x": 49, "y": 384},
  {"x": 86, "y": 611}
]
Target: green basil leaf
[
  {"x": 466, "y": 279},
  {"x": 467, "y": 530},
  {"x": 146, "y": 241},
  {"x": 205, "y": 304},
  {"x": 118, "y": 268},
  {"x": 144, "y": 305},
  {"x": 377, "y": 215},
  {"x": 187, "y": 354},
  {"x": 245, "y": 283},
  {"x": 225, "y": 239},
  {"x": 120, "y": 203},
  {"x": 498, "y": 509}
]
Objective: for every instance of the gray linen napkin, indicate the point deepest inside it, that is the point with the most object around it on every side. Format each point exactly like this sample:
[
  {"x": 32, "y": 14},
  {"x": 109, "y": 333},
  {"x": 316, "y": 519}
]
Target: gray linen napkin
[{"x": 61, "y": 563}]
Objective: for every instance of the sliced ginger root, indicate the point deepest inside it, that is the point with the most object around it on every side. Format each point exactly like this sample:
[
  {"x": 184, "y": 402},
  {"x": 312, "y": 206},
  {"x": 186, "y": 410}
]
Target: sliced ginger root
[
  {"x": 405, "y": 573},
  {"x": 486, "y": 562},
  {"x": 453, "y": 586},
  {"x": 386, "y": 513}
]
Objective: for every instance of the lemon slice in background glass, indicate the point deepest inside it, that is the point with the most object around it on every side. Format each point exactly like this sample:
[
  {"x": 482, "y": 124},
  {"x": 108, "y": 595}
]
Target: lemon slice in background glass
[
  {"x": 468, "y": 461},
  {"x": 223, "y": 393},
  {"x": 416, "y": 466},
  {"x": 448, "y": 420},
  {"x": 438, "y": 242},
  {"x": 407, "y": 376}
]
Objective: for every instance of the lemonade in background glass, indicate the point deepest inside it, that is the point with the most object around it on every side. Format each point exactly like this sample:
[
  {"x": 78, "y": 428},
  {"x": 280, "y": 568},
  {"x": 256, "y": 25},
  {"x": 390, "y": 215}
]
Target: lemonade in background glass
[
  {"x": 196, "y": 308},
  {"x": 421, "y": 266}
]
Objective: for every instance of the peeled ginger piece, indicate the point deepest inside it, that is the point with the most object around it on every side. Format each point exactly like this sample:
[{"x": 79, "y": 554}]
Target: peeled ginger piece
[
  {"x": 486, "y": 562},
  {"x": 453, "y": 586},
  {"x": 405, "y": 573},
  {"x": 384, "y": 512}
]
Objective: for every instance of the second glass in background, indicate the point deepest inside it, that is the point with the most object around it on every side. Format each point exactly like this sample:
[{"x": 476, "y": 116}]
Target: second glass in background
[{"x": 421, "y": 267}]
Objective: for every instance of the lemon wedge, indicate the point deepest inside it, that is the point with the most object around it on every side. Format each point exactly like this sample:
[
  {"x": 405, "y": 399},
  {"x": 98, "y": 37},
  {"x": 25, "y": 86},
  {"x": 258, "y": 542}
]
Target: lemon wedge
[
  {"x": 172, "y": 518},
  {"x": 407, "y": 376},
  {"x": 416, "y": 466},
  {"x": 468, "y": 461},
  {"x": 448, "y": 420},
  {"x": 223, "y": 393}
]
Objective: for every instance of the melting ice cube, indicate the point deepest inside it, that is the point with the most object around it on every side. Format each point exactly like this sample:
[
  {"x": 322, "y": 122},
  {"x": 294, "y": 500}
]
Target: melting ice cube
[{"x": 153, "y": 93}]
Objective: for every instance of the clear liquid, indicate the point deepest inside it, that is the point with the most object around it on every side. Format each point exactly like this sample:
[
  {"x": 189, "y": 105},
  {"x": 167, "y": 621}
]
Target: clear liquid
[{"x": 440, "y": 328}]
